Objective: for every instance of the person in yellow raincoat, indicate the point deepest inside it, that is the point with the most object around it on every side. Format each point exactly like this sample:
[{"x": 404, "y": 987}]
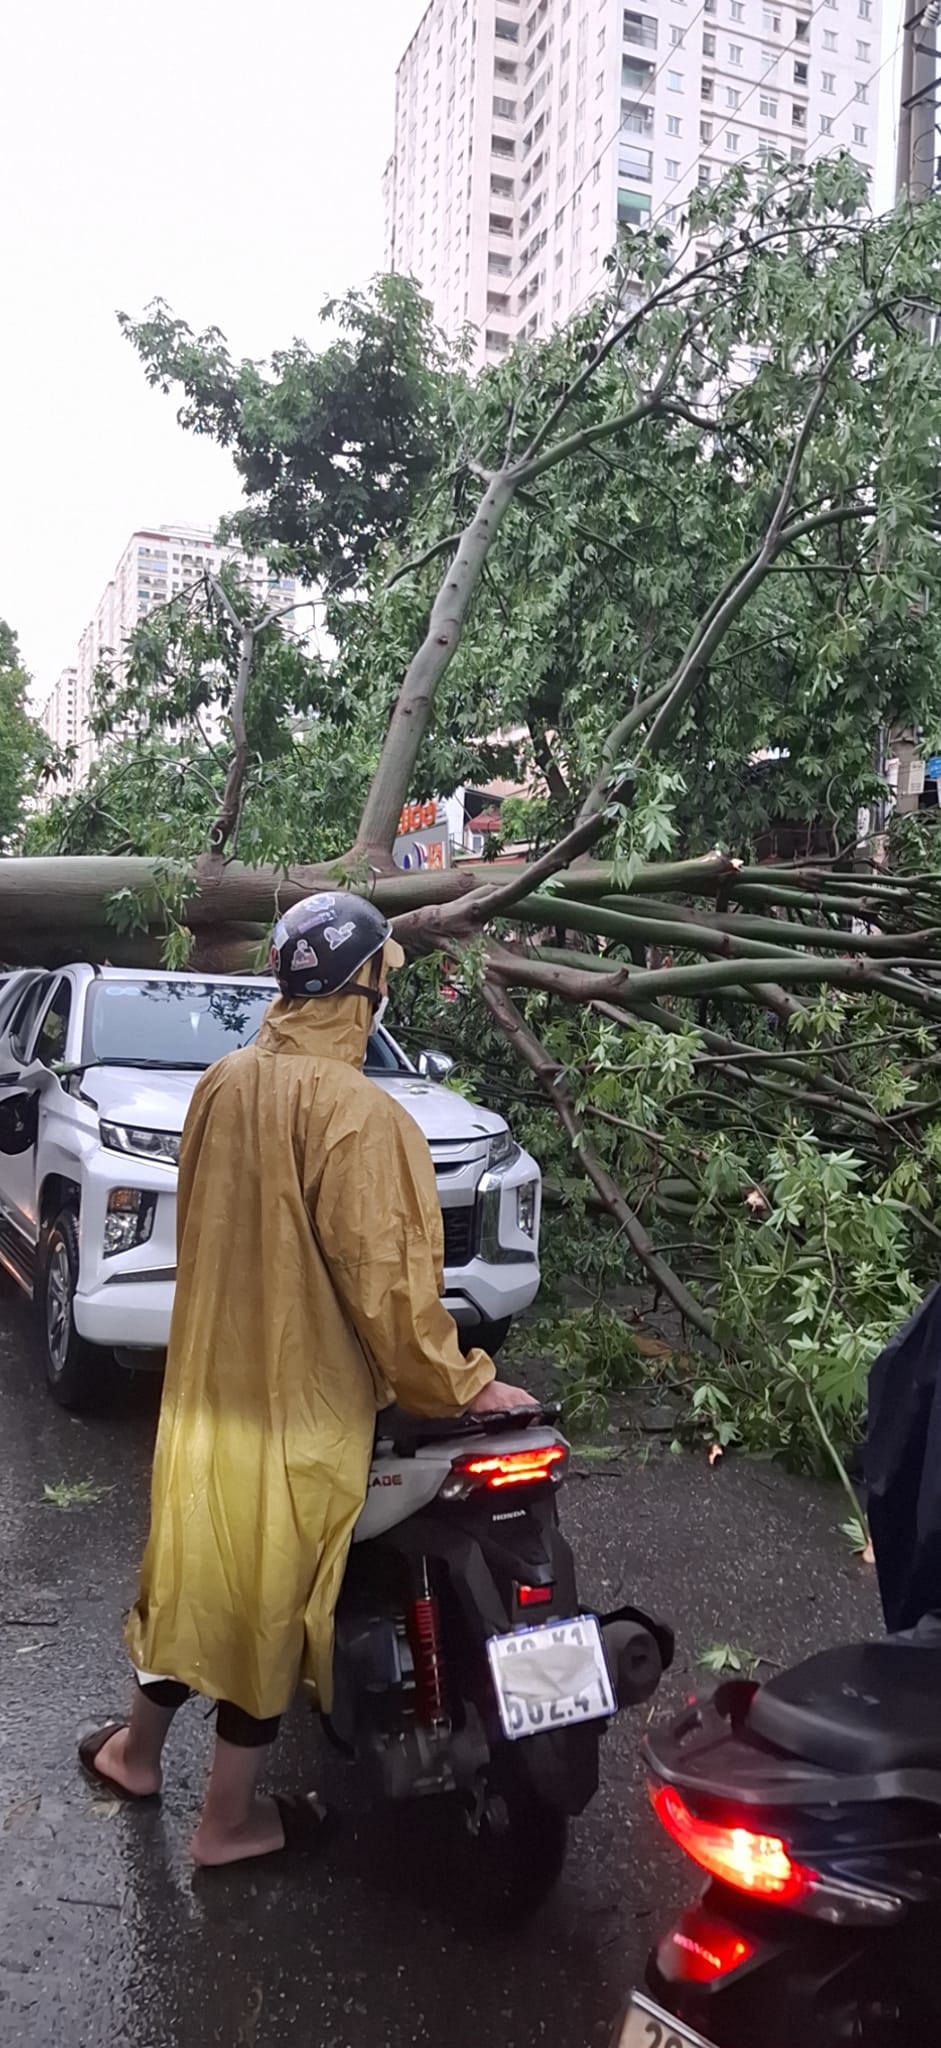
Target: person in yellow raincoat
[{"x": 310, "y": 1256}]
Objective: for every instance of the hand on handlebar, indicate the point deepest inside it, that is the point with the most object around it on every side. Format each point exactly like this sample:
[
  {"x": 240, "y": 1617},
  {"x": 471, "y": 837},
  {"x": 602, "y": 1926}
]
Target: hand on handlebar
[{"x": 497, "y": 1398}]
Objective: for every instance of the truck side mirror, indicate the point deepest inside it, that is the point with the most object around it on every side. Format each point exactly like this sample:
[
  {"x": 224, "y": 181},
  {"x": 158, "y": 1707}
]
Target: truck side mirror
[{"x": 435, "y": 1066}]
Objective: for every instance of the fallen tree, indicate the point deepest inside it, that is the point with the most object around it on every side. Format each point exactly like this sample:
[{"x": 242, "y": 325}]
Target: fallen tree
[{"x": 682, "y": 565}]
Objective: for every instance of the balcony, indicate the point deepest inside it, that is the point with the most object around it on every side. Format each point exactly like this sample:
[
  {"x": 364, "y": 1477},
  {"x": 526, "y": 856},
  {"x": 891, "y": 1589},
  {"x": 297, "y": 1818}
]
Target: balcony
[
  {"x": 633, "y": 209},
  {"x": 636, "y": 120},
  {"x": 634, "y": 163},
  {"x": 640, "y": 29},
  {"x": 636, "y": 76}
]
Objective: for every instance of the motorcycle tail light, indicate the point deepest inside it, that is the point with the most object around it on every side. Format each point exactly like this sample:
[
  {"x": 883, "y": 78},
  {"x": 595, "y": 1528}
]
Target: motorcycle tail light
[
  {"x": 501, "y": 1471},
  {"x": 700, "y": 1950},
  {"x": 534, "y": 1596},
  {"x": 759, "y": 1865}
]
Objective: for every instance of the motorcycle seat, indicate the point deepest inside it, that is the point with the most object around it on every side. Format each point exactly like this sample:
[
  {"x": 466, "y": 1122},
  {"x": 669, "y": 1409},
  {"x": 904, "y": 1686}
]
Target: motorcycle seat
[{"x": 863, "y": 1708}]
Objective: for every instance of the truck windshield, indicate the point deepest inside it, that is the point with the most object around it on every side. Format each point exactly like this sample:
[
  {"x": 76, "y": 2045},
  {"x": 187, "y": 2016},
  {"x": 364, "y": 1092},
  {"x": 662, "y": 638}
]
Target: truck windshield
[{"x": 188, "y": 1024}]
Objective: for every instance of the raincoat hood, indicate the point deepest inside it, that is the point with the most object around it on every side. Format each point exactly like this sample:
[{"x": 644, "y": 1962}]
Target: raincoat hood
[{"x": 327, "y": 1028}]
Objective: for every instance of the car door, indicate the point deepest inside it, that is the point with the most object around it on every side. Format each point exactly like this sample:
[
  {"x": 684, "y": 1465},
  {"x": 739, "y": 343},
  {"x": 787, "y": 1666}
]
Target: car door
[{"x": 20, "y": 1086}]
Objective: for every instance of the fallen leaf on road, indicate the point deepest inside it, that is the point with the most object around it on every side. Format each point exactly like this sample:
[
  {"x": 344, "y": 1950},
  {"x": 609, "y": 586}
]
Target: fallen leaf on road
[
  {"x": 869, "y": 1555},
  {"x": 652, "y": 1347},
  {"x": 105, "y": 1809},
  {"x": 715, "y": 1453},
  {"x": 21, "y": 1810},
  {"x": 26, "y": 1649}
]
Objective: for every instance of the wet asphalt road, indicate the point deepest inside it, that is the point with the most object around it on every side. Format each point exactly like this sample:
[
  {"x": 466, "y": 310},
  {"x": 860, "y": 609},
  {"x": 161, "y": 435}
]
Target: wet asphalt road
[{"x": 106, "y": 1935}]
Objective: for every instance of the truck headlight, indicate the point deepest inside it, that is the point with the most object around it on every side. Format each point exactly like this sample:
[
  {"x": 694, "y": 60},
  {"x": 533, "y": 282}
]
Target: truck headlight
[
  {"x": 503, "y": 1151},
  {"x": 163, "y": 1146},
  {"x": 129, "y": 1220},
  {"x": 526, "y": 1207}
]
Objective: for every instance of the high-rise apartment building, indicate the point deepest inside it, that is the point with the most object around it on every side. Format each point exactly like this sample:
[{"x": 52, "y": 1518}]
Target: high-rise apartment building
[
  {"x": 157, "y": 563},
  {"x": 526, "y": 130},
  {"x": 59, "y": 714}
]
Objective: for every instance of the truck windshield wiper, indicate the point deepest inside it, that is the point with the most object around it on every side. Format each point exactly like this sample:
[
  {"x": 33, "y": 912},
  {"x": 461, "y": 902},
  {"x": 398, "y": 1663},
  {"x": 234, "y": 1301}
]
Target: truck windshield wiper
[{"x": 149, "y": 1066}]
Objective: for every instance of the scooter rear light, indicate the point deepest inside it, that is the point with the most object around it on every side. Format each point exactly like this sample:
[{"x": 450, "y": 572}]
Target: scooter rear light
[
  {"x": 700, "y": 1950},
  {"x": 535, "y": 1596},
  {"x": 496, "y": 1473},
  {"x": 759, "y": 1865}
]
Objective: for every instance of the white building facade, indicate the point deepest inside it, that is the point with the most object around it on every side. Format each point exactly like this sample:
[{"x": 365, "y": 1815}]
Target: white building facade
[
  {"x": 526, "y": 130},
  {"x": 156, "y": 565}
]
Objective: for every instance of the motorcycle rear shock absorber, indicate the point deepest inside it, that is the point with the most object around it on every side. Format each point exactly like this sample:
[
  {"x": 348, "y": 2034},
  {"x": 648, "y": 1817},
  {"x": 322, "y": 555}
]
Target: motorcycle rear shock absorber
[{"x": 424, "y": 1635}]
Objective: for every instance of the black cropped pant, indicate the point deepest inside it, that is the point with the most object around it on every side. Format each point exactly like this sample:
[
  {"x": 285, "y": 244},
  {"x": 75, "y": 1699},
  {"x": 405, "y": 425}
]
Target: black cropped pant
[{"x": 232, "y": 1722}]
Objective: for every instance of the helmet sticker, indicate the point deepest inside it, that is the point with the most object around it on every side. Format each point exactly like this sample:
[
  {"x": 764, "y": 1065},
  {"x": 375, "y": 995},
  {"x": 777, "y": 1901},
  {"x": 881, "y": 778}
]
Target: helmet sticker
[
  {"x": 303, "y": 955},
  {"x": 337, "y": 935},
  {"x": 313, "y": 988}
]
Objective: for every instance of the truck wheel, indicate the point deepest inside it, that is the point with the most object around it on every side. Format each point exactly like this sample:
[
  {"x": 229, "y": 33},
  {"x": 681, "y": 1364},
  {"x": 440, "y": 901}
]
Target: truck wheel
[
  {"x": 515, "y": 1851},
  {"x": 73, "y": 1368},
  {"x": 491, "y": 1337}
]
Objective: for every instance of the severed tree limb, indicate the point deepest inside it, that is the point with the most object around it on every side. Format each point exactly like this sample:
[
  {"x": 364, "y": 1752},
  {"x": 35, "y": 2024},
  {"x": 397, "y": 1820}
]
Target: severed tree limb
[{"x": 552, "y": 1079}]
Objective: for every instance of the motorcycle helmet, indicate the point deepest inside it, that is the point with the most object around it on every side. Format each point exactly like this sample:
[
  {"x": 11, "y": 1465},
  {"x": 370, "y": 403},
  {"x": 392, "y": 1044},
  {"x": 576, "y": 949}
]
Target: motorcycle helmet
[{"x": 318, "y": 947}]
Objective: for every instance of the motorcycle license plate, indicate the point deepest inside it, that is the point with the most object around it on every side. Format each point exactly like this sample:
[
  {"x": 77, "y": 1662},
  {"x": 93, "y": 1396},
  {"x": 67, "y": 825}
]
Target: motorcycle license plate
[
  {"x": 647, "y": 2026},
  {"x": 551, "y": 1676}
]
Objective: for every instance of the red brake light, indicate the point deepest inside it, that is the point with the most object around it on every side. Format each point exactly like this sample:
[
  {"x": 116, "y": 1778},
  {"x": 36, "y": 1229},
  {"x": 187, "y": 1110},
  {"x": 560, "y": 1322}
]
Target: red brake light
[
  {"x": 531, "y": 1467},
  {"x": 757, "y": 1864},
  {"x": 534, "y": 1596}
]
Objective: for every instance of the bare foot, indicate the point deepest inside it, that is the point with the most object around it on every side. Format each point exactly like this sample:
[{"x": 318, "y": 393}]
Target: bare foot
[
  {"x": 260, "y": 1835},
  {"x": 113, "y": 1762}
]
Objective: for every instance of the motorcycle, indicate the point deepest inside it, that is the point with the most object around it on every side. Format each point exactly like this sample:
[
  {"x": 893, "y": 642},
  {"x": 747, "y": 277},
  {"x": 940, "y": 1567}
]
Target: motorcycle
[
  {"x": 813, "y": 1803},
  {"x": 465, "y": 1664}
]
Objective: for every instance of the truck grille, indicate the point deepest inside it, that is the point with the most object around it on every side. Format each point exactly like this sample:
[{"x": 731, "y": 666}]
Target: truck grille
[{"x": 459, "y": 1235}]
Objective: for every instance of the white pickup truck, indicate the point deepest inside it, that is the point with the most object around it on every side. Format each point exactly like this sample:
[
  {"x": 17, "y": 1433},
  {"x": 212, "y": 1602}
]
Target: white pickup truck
[{"x": 97, "y": 1067}]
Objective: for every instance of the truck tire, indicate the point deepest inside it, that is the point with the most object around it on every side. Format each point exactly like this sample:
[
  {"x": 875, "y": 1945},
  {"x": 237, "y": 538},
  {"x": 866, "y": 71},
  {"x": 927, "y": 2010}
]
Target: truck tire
[
  {"x": 73, "y": 1369},
  {"x": 490, "y": 1337}
]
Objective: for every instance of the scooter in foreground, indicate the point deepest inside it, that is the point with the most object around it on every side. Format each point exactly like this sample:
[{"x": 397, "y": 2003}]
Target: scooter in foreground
[
  {"x": 814, "y": 1805},
  {"x": 465, "y": 1663}
]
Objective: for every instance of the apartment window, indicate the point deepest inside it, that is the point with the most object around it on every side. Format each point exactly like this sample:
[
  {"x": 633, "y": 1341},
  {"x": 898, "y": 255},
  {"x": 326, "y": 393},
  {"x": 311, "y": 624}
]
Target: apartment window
[
  {"x": 599, "y": 84},
  {"x": 504, "y": 68},
  {"x": 673, "y": 124},
  {"x": 771, "y": 21},
  {"x": 501, "y": 223},
  {"x": 636, "y": 77},
  {"x": 769, "y": 63},
  {"x": 505, "y": 109},
  {"x": 708, "y": 43},
  {"x": 828, "y": 81},
  {"x": 595, "y": 215},
  {"x": 707, "y": 88},
  {"x": 497, "y": 343},
  {"x": 596, "y": 174},
  {"x": 802, "y": 30},
  {"x": 705, "y": 131},
  {"x": 601, "y": 39},
  {"x": 560, "y": 253},
  {"x": 735, "y": 55},
  {"x": 504, "y": 188},
  {"x": 859, "y": 137},
  {"x": 675, "y": 81},
  {"x": 862, "y": 94},
  {"x": 593, "y": 258},
  {"x": 673, "y": 167},
  {"x": 731, "y": 141},
  {"x": 829, "y": 39},
  {"x": 639, "y": 120},
  {"x": 826, "y": 125},
  {"x": 640, "y": 28},
  {"x": 863, "y": 52},
  {"x": 797, "y": 153},
  {"x": 732, "y": 97},
  {"x": 506, "y": 31},
  {"x": 502, "y": 145},
  {"x": 556, "y": 301},
  {"x": 865, "y": 10},
  {"x": 633, "y": 209},
  {"x": 800, "y": 72},
  {"x": 798, "y": 115},
  {"x": 501, "y": 265},
  {"x": 634, "y": 163},
  {"x": 767, "y": 107},
  {"x": 737, "y": 10},
  {"x": 599, "y": 124},
  {"x": 710, "y": 6},
  {"x": 704, "y": 177},
  {"x": 676, "y": 37},
  {"x": 498, "y": 302}
]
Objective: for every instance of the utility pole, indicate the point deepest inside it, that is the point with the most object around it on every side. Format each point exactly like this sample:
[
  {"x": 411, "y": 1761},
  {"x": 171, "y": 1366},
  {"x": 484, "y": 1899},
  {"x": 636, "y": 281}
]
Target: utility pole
[{"x": 916, "y": 164}]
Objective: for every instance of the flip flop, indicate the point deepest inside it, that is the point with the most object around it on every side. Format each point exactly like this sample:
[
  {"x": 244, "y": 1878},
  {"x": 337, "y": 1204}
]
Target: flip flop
[
  {"x": 304, "y": 1821},
  {"x": 88, "y": 1750}
]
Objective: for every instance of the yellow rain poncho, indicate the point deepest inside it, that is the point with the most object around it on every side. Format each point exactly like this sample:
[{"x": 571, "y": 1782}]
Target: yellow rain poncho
[{"x": 310, "y": 1255}]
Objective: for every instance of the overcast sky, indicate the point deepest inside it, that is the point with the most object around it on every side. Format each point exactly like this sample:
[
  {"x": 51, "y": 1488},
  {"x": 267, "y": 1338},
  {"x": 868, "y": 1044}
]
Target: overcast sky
[{"x": 226, "y": 156}]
